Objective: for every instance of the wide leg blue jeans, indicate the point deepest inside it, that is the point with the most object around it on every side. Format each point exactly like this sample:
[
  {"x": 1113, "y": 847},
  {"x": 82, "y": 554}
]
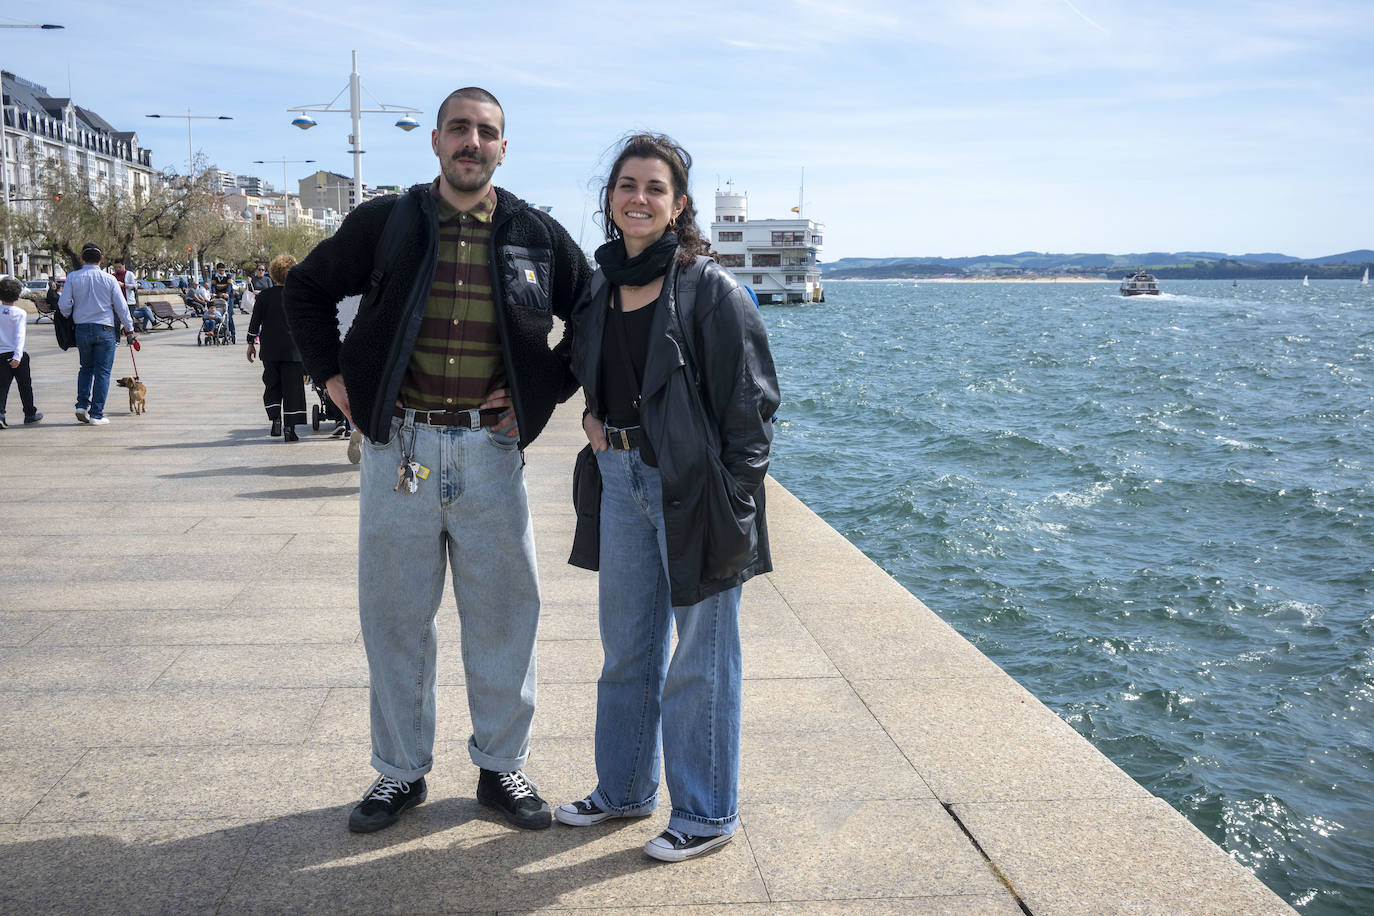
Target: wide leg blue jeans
[{"x": 687, "y": 705}]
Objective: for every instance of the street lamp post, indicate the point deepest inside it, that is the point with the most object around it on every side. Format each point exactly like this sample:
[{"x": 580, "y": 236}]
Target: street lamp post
[
  {"x": 5, "y": 154},
  {"x": 355, "y": 90},
  {"x": 285, "y": 209},
  {"x": 191, "y": 161}
]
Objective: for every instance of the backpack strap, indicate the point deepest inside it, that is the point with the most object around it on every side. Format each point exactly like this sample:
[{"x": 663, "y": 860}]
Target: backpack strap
[{"x": 398, "y": 225}]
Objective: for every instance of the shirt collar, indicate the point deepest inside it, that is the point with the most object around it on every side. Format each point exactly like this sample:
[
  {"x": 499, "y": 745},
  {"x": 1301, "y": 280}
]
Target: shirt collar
[{"x": 483, "y": 211}]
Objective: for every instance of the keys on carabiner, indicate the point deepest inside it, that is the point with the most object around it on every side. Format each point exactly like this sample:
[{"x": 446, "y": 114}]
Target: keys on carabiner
[{"x": 405, "y": 478}]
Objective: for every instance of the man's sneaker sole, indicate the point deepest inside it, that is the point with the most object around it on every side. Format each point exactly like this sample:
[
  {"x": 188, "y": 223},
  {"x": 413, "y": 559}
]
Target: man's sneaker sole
[
  {"x": 83, "y": 416},
  {"x": 361, "y": 823},
  {"x": 657, "y": 848}
]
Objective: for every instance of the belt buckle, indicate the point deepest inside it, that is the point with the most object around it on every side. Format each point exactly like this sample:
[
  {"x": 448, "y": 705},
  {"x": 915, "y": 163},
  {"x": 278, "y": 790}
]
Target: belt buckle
[{"x": 624, "y": 435}]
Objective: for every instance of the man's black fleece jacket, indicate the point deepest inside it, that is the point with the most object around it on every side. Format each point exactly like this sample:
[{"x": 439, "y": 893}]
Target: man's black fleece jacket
[{"x": 537, "y": 272}]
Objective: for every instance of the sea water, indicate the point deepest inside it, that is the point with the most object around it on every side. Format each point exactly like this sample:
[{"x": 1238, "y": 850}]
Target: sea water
[{"x": 1156, "y": 513}]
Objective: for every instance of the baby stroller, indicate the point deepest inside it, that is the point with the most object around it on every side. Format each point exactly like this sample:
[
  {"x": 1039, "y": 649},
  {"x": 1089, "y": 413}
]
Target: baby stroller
[
  {"x": 326, "y": 410},
  {"x": 219, "y": 335}
]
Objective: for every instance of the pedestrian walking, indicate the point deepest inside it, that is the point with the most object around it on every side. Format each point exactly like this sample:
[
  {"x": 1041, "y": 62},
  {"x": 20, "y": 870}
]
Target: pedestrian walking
[
  {"x": 14, "y": 356},
  {"x": 283, "y": 375},
  {"x": 92, "y": 299}
]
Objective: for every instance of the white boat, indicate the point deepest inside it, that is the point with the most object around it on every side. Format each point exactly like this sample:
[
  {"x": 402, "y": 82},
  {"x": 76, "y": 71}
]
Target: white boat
[
  {"x": 1304, "y": 279},
  {"x": 1142, "y": 284},
  {"x": 1365, "y": 281}
]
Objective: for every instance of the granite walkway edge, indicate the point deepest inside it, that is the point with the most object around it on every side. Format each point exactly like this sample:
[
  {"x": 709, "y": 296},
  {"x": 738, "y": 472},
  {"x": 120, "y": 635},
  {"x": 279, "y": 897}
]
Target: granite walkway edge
[{"x": 183, "y": 701}]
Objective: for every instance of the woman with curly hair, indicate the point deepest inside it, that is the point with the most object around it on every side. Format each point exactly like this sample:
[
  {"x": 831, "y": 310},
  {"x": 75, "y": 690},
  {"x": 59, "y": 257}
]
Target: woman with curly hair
[{"x": 680, "y": 387}]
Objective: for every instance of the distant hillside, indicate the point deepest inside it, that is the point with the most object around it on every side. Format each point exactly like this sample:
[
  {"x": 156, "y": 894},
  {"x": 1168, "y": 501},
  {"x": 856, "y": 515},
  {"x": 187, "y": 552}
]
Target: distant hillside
[{"x": 1178, "y": 264}]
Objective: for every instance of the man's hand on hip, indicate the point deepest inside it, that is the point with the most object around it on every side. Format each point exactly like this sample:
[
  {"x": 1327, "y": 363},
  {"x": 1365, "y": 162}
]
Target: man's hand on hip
[
  {"x": 501, "y": 398},
  {"x": 339, "y": 395}
]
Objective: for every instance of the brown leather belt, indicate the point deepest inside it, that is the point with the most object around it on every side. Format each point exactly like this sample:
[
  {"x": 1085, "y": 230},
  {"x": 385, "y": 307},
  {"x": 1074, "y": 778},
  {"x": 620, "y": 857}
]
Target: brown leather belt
[{"x": 464, "y": 419}]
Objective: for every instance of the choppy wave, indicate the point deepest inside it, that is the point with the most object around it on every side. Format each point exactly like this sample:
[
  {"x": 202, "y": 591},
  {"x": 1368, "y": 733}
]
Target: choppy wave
[{"x": 1159, "y": 517}]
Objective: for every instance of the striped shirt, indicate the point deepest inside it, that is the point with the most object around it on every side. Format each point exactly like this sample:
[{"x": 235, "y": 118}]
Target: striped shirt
[{"x": 457, "y": 359}]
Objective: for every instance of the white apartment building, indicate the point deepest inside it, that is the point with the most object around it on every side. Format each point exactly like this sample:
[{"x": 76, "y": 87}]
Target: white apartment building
[
  {"x": 40, "y": 129},
  {"x": 778, "y": 258}
]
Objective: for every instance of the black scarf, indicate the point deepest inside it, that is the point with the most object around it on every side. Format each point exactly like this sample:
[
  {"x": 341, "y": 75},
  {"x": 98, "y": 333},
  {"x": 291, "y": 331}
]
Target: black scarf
[{"x": 642, "y": 268}]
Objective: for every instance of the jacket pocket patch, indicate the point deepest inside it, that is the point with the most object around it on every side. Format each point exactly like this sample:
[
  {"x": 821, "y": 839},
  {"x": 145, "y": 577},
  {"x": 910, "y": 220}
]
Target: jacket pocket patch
[{"x": 527, "y": 277}]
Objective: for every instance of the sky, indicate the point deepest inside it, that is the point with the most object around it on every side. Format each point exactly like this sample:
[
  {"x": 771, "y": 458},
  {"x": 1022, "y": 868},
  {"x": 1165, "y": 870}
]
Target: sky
[{"x": 918, "y": 128}]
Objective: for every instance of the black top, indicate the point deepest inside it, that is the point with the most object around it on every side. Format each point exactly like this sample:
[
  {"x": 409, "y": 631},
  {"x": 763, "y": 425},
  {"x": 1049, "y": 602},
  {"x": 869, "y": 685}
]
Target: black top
[
  {"x": 269, "y": 320},
  {"x": 618, "y": 399}
]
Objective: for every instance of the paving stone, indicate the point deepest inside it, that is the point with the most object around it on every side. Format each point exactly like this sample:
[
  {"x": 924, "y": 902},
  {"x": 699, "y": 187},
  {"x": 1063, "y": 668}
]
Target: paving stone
[
  {"x": 295, "y": 666},
  {"x": 989, "y": 739},
  {"x": 26, "y": 783},
  {"x": 239, "y": 626},
  {"x": 949, "y": 905},
  {"x": 22, "y": 629},
  {"x": 859, "y": 848},
  {"x": 1127, "y": 855},
  {"x": 38, "y": 668},
  {"x": 160, "y": 717},
  {"x": 124, "y": 868}
]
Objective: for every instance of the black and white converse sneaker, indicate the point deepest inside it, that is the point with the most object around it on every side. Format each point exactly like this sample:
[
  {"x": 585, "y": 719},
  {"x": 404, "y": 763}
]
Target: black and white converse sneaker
[
  {"x": 383, "y": 804},
  {"x": 582, "y": 813},
  {"x": 674, "y": 846},
  {"x": 515, "y": 797}
]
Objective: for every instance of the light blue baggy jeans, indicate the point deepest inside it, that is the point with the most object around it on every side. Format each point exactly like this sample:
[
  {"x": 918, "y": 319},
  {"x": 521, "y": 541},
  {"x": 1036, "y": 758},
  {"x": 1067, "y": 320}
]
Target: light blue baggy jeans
[
  {"x": 472, "y": 510},
  {"x": 689, "y": 705}
]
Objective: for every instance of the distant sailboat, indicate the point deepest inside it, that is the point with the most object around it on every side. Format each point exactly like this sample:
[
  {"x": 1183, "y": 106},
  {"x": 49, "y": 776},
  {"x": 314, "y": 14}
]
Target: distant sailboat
[
  {"x": 1304, "y": 280},
  {"x": 1365, "y": 281}
]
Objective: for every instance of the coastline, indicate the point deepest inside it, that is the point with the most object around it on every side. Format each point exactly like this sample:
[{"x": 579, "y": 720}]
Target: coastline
[{"x": 968, "y": 280}]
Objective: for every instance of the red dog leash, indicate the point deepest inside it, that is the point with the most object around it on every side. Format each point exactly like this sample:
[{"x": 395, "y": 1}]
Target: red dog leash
[{"x": 134, "y": 345}]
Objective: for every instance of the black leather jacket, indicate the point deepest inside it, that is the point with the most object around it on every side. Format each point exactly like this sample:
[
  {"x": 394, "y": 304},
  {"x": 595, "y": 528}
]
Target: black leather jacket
[{"x": 710, "y": 317}]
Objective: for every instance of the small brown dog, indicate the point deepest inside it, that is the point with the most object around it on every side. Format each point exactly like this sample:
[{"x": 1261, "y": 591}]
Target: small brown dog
[{"x": 138, "y": 394}]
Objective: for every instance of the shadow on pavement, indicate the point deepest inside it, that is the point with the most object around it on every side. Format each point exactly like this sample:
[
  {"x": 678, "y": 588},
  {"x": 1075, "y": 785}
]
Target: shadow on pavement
[{"x": 442, "y": 857}]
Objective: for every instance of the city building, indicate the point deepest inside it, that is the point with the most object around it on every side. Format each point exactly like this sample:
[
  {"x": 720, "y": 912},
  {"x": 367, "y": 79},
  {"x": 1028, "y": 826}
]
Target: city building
[
  {"x": 40, "y": 129},
  {"x": 778, "y": 258},
  {"x": 326, "y": 191},
  {"x": 219, "y": 181},
  {"x": 252, "y": 184}
]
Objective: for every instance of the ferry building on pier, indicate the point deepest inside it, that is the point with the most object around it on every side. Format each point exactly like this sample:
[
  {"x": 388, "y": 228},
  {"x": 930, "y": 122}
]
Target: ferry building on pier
[{"x": 778, "y": 258}]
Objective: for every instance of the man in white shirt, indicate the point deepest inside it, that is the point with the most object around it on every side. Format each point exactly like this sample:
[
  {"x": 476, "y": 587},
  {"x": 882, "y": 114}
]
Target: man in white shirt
[{"x": 93, "y": 300}]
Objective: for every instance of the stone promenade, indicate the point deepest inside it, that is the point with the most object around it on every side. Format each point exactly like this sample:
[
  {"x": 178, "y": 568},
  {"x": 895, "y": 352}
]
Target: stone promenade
[{"x": 183, "y": 708}]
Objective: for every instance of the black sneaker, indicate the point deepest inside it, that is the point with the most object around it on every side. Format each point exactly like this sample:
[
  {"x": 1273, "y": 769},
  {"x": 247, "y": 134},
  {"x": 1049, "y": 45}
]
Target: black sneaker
[
  {"x": 3, "y": 424},
  {"x": 383, "y": 804},
  {"x": 516, "y": 797},
  {"x": 32, "y": 417},
  {"x": 673, "y": 846}
]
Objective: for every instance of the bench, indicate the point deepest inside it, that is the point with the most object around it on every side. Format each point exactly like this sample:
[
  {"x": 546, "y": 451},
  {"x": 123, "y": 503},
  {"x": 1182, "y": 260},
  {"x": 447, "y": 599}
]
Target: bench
[
  {"x": 44, "y": 310},
  {"x": 167, "y": 310},
  {"x": 165, "y": 314}
]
